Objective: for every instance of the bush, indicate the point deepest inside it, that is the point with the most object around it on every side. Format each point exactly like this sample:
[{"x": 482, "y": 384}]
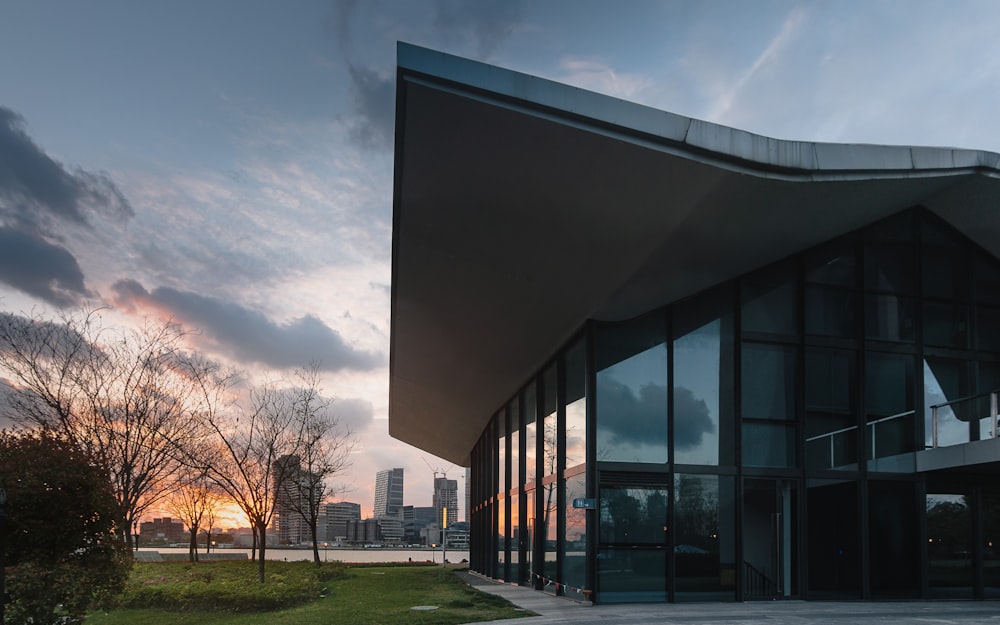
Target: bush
[
  {"x": 61, "y": 547},
  {"x": 227, "y": 586}
]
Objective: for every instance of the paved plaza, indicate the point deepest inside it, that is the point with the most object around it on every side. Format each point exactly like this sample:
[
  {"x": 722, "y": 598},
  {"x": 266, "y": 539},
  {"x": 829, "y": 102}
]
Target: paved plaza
[{"x": 558, "y": 610}]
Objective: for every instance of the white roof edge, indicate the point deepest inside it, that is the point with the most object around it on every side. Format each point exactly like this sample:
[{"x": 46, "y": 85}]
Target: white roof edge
[{"x": 727, "y": 143}]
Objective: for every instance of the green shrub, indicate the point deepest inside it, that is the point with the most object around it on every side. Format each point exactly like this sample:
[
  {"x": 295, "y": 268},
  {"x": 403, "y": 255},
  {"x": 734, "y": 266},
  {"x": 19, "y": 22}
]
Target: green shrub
[{"x": 227, "y": 586}]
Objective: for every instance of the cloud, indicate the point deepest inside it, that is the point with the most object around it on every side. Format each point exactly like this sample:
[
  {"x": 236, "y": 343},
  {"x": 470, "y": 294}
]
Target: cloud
[
  {"x": 373, "y": 101},
  {"x": 484, "y": 25},
  {"x": 247, "y": 335},
  {"x": 630, "y": 419},
  {"x": 354, "y": 414},
  {"x": 38, "y": 197},
  {"x": 33, "y": 184},
  {"x": 34, "y": 266}
]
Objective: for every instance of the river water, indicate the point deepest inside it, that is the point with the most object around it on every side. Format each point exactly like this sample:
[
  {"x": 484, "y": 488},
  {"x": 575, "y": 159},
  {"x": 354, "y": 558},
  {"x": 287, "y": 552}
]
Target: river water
[{"x": 343, "y": 555}]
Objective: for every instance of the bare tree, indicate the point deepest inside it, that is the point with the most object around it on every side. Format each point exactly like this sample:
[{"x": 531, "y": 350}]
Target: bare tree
[
  {"x": 324, "y": 450},
  {"x": 245, "y": 464},
  {"x": 195, "y": 501},
  {"x": 128, "y": 397}
]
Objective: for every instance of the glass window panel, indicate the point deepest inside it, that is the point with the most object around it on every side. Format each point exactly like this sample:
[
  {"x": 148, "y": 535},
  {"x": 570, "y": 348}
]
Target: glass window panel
[
  {"x": 632, "y": 392},
  {"x": 889, "y": 257},
  {"x": 576, "y": 407},
  {"x": 988, "y": 329},
  {"x": 889, "y": 380},
  {"x": 703, "y": 383},
  {"x": 515, "y": 537},
  {"x": 946, "y": 324},
  {"x": 503, "y": 543},
  {"x": 831, "y": 311},
  {"x": 986, "y": 277},
  {"x": 831, "y": 422},
  {"x": 949, "y": 544},
  {"x": 515, "y": 475},
  {"x": 768, "y": 301},
  {"x": 768, "y": 389},
  {"x": 632, "y": 575},
  {"x": 704, "y": 537},
  {"x": 769, "y": 445},
  {"x": 634, "y": 516},
  {"x": 890, "y": 318},
  {"x": 530, "y": 434},
  {"x": 833, "y": 265},
  {"x": 574, "y": 545},
  {"x": 947, "y": 380},
  {"x": 502, "y": 464}
]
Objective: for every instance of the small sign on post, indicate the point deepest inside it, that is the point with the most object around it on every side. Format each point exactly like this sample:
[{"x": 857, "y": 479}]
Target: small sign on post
[{"x": 585, "y": 503}]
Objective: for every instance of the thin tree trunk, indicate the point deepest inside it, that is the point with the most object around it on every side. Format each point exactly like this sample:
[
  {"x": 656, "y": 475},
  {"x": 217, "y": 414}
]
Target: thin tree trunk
[
  {"x": 260, "y": 563},
  {"x": 193, "y": 545},
  {"x": 208, "y": 540},
  {"x": 253, "y": 548},
  {"x": 312, "y": 529}
]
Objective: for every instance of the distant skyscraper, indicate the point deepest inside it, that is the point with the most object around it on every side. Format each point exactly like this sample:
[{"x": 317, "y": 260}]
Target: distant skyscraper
[
  {"x": 446, "y": 496},
  {"x": 388, "y": 493},
  {"x": 468, "y": 494},
  {"x": 292, "y": 502}
]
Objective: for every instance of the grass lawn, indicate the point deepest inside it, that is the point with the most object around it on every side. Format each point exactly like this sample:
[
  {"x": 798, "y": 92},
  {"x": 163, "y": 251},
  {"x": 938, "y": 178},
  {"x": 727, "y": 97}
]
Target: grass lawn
[{"x": 380, "y": 595}]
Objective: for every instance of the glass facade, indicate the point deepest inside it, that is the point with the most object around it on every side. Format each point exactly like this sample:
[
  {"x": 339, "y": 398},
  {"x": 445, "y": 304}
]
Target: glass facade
[{"x": 763, "y": 439}]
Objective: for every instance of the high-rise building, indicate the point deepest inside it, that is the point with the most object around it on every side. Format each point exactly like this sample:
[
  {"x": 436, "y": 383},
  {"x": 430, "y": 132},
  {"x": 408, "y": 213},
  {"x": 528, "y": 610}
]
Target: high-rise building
[
  {"x": 445, "y": 496},
  {"x": 293, "y": 503},
  {"x": 388, "y": 492}
]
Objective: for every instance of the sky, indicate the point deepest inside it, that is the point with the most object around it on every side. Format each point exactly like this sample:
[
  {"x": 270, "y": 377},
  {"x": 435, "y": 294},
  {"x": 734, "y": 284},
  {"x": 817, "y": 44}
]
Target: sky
[{"x": 228, "y": 164}]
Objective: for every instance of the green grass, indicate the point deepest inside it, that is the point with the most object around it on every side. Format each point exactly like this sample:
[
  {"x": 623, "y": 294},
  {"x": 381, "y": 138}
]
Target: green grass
[{"x": 358, "y": 595}]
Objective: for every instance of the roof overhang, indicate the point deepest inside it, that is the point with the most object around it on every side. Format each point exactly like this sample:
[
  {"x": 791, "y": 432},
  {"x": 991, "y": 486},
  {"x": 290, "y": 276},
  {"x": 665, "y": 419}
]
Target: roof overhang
[{"x": 524, "y": 207}]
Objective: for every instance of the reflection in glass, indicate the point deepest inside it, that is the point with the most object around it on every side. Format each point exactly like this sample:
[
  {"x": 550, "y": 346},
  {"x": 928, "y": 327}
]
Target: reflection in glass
[
  {"x": 703, "y": 381},
  {"x": 991, "y": 541},
  {"x": 576, "y": 406},
  {"x": 502, "y": 503},
  {"x": 633, "y": 515},
  {"x": 574, "y": 553},
  {"x": 632, "y": 391},
  {"x": 947, "y": 380},
  {"x": 830, "y": 311},
  {"x": 530, "y": 440},
  {"x": 768, "y": 301},
  {"x": 704, "y": 537},
  {"x": 949, "y": 545}
]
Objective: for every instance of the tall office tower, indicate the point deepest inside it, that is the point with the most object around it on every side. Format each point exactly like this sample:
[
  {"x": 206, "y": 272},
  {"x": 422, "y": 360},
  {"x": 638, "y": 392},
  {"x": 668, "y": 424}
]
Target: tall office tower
[
  {"x": 388, "y": 492},
  {"x": 291, "y": 486},
  {"x": 446, "y": 496}
]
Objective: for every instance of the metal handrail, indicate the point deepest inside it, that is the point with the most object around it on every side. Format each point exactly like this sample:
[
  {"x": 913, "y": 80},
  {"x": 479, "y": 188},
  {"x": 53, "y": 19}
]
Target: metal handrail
[{"x": 992, "y": 416}]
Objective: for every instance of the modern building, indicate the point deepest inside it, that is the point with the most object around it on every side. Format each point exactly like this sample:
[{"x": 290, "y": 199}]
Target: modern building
[
  {"x": 294, "y": 488},
  {"x": 687, "y": 362},
  {"x": 338, "y": 514},
  {"x": 445, "y": 500},
  {"x": 388, "y": 493}
]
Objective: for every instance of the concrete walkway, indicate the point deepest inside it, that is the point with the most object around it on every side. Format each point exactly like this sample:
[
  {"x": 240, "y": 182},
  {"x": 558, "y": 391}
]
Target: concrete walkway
[{"x": 558, "y": 610}]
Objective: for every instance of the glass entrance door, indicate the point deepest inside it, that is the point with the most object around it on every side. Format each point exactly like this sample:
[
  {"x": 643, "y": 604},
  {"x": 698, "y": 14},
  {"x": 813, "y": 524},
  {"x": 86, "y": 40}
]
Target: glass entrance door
[
  {"x": 770, "y": 531},
  {"x": 632, "y": 561}
]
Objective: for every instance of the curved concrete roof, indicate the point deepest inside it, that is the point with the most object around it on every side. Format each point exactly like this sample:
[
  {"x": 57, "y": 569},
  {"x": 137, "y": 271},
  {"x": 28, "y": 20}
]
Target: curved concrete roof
[{"x": 524, "y": 207}]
